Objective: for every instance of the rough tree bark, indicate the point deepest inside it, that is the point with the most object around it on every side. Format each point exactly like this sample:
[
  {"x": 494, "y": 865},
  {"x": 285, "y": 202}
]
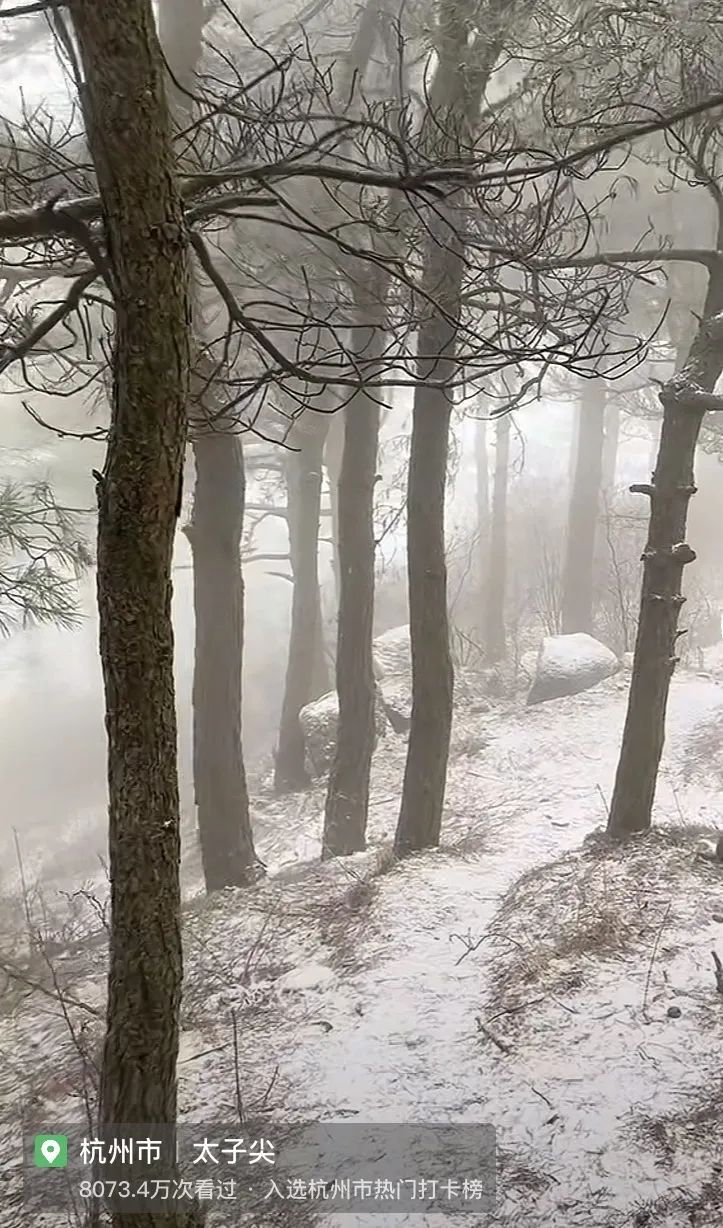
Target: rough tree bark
[
  {"x": 347, "y": 799},
  {"x": 685, "y": 399},
  {"x": 462, "y": 72},
  {"x": 129, "y": 135},
  {"x": 579, "y": 569},
  {"x": 495, "y": 640},
  {"x": 306, "y": 676},
  {"x": 214, "y": 534}
]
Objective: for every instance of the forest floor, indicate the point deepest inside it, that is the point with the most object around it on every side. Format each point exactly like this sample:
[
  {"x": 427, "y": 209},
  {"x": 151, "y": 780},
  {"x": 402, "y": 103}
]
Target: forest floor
[{"x": 526, "y": 974}]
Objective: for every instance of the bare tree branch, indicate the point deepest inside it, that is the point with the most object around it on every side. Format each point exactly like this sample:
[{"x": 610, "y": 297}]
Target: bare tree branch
[
  {"x": 10, "y": 353},
  {"x": 46, "y": 220}
]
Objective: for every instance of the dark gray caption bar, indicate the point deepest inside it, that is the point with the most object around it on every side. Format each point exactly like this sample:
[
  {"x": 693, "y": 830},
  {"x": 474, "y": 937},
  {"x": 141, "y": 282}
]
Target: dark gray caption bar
[{"x": 340, "y": 1167}]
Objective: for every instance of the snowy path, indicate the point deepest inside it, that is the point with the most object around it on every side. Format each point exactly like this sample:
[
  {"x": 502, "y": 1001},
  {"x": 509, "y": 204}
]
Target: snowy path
[
  {"x": 403, "y": 1042},
  {"x": 371, "y": 1014}
]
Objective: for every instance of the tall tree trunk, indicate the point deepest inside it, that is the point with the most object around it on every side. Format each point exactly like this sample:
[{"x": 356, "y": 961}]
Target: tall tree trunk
[
  {"x": 579, "y": 569},
  {"x": 574, "y": 446},
  {"x": 304, "y": 676},
  {"x": 130, "y": 140},
  {"x": 333, "y": 456},
  {"x": 664, "y": 558},
  {"x": 227, "y": 847},
  {"x": 495, "y": 640},
  {"x": 214, "y": 534},
  {"x": 347, "y": 799},
  {"x": 453, "y": 107},
  {"x": 483, "y": 515},
  {"x": 611, "y": 444},
  {"x": 420, "y": 818}
]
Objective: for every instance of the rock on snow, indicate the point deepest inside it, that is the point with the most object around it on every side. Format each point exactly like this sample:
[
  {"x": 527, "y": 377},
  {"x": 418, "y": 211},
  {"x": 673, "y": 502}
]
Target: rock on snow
[
  {"x": 393, "y": 652},
  {"x": 318, "y": 722},
  {"x": 568, "y": 664},
  {"x": 393, "y": 670}
]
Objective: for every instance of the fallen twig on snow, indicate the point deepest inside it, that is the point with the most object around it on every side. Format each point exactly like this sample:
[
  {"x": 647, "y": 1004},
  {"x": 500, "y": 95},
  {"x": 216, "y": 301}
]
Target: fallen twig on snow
[
  {"x": 496, "y": 1040},
  {"x": 718, "y": 972},
  {"x": 469, "y": 945},
  {"x": 661, "y": 927}
]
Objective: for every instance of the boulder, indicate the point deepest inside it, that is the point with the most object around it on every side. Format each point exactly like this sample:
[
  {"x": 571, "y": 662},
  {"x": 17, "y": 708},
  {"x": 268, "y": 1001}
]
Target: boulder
[
  {"x": 393, "y": 670},
  {"x": 568, "y": 664},
  {"x": 393, "y": 652},
  {"x": 396, "y": 697},
  {"x": 528, "y": 663},
  {"x": 318, "y": 722}
]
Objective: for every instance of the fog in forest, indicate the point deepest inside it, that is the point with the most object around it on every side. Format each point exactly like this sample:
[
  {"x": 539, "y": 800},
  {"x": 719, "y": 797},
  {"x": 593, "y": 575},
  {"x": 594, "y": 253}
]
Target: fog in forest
[{"x": 361, "y": 603}]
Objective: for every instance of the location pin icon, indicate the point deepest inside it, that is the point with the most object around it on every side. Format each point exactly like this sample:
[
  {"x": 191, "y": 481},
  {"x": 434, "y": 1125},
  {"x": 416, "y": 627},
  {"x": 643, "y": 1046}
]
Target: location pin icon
[{"x": 51, "y": 1150}]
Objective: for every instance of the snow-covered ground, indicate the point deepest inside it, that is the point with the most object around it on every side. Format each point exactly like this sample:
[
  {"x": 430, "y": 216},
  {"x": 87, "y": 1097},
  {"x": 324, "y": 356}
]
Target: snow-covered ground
[{"x": 460, "y": 987}]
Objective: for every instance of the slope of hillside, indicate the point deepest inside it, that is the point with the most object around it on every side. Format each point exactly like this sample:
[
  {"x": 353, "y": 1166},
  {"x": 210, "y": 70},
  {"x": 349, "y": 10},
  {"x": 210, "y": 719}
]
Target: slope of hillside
[{"x": 525, "y": 974}]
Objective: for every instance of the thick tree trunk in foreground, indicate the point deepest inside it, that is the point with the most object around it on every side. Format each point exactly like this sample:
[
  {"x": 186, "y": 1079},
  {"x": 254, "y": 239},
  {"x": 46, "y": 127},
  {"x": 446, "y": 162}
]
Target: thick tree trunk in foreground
[
  {"x": 495, "y": 639},
  {"x": 221, "y": 795},
  {"x": 664, "y": 559},
  {"x": 305, "y": 679},
  {"x": 347, "y": 799},
  {"x": 227, "y": 846},
  {"x": 483, "y": 515},
  {"x": 578, "y": 572},
  {"x": 129, "y": 134}
]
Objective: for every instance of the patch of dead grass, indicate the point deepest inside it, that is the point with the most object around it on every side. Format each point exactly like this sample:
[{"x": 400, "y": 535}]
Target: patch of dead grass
[
  {"x": 559, "y": 921},
  {"x": 516, "y": 1173},
  {"x": 345, "y": 918},
  {"x": 699, "y": 1124},
  {"x": 702, "y": 1208}
]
